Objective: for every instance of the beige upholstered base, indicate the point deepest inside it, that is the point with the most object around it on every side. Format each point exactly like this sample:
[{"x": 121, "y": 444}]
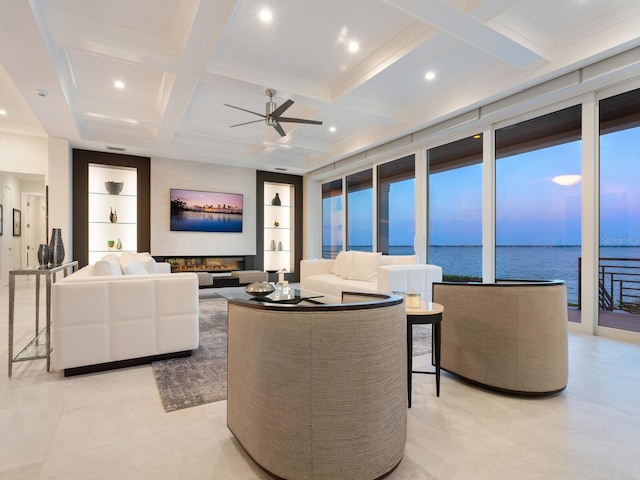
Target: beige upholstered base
[
  {"x": 319, "y": 393},
  {"x": 507, "y": 336}
]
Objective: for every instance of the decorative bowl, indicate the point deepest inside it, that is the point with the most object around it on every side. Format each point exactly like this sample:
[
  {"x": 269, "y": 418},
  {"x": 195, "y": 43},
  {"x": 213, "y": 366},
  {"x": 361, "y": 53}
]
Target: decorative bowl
[
  {"x": 114, "y": 188},
  {"x": 259, "y": 289}
]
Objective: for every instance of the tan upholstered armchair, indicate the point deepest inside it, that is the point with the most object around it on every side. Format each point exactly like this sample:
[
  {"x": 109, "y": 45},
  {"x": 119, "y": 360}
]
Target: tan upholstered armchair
[{"x": 508, "y": 336}]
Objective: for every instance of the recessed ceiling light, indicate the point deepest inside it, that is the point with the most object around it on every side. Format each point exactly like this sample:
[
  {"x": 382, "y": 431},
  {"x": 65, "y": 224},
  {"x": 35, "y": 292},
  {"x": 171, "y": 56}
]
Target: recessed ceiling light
[
  {"x": 430, "y": 75},
  {"x": 332, "y": 129},
  {"x": 119, "y": 84},
  {"x": 3, "y": 111},
  {"x": 265, "y": 15},
  {"x": 354, "y": 46}
]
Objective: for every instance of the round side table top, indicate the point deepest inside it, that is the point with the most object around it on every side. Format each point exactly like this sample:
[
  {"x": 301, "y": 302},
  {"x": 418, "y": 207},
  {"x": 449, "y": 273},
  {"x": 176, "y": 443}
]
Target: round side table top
[{"x": 425, "y": 308}]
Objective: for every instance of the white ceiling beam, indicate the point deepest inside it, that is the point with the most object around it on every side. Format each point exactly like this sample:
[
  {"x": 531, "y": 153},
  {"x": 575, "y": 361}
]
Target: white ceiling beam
[{"x": 466, "y": 29}]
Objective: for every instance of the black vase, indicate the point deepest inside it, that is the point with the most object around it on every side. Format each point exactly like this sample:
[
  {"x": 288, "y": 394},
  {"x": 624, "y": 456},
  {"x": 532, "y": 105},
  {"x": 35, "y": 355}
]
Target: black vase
[
  {"x": 56, "y": 247},
  {"x": 43, "y": 255},
  {"x": 276, "y": 200}
]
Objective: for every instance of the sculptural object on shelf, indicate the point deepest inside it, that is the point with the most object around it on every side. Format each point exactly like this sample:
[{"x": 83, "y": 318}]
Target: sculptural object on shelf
[
  {"x": 113, "y": 216},
  {"x": 56, "y": 247}
]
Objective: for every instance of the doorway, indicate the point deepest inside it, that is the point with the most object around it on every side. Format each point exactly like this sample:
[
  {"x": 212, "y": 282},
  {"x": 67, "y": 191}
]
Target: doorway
[
  {"x": 7, "y": 233},
  {"x": 33, "y": 227}
]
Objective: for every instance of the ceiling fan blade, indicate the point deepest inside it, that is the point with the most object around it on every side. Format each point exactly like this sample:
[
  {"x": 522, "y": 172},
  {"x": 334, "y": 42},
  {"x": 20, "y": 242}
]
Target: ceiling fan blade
[
  {"x": 245, "y": 110},
  {"x": 299, "y": 120},
  {"x": 246, "y": 123},
  {"x": 280, "y": 110},
  {"x": 280, "y": 130}
]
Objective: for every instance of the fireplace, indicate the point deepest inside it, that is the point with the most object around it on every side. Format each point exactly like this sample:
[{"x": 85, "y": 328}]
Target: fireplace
[{"x": 207, "y": 263}]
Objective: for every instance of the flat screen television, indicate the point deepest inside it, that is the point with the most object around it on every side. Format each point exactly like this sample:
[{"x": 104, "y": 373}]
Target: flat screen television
[{"x": 200, "y": 211}]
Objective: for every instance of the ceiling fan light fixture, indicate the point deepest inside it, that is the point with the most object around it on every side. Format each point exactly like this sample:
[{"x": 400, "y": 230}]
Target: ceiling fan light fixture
[{"x": 273, "y": 115}]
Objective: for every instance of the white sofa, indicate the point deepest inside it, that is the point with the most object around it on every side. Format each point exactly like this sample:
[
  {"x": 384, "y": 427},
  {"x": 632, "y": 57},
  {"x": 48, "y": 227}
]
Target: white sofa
[
  {"x": 123, "y": 311},
  {"x": 354, "y": 271}
]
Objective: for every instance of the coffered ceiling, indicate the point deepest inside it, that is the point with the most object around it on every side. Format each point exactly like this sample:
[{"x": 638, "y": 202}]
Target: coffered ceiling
[{"x": 181, "y": 61}]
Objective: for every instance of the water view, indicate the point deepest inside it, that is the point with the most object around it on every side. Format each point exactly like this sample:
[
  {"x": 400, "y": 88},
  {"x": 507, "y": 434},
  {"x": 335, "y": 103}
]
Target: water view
[
  {"x": 206, "y": 222},
  {"x": 516, "y": 262}
]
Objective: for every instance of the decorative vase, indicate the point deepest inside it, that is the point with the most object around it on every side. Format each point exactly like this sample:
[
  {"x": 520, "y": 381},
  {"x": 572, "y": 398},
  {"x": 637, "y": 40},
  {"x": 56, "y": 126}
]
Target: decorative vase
[
  {"x": 119, "y": 245},
  {"x": 273, "y": 244},
  {"x": 43, "y": 255},
  {"x": 111, "y": 243},
  {"x": 113, "y": 216},
  {"x": 276, "y": 224},
  {"x": 279, "y": 245},
  {"x": 276, "y": 200},
  {"x": 56, "y": 247}
]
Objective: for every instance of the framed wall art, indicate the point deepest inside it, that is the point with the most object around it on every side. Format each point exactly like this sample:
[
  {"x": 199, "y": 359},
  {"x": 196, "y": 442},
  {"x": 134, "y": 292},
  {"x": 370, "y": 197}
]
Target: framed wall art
[{"x": 17, "y": 222}]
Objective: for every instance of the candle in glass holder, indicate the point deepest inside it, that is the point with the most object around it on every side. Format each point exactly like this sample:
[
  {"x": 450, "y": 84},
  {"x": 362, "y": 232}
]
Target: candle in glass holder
[
  {"x": 412, "y": 299},
  {"x": 280, "y": 278}
]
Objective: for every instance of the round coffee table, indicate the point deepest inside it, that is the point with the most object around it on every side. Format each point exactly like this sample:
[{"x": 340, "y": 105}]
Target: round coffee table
[{"x": 428, "y": 313}]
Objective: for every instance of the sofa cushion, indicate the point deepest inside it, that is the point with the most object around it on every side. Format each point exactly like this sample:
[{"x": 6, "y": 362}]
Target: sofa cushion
[
  {"x": 364, "y": 266},
  {"x": 398, "y": 259},
  {"x": 333, "y": 285},
  {"x": 147, "y": 261},
  {"x": 131, "y": 265},
  {"x": 342, "y": 264},
  {"x": 105, "y": 267}
]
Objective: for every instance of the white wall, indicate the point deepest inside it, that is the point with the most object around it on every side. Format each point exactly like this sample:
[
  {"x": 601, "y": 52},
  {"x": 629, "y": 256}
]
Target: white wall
[
  {"x": 23, "y": 153},
  {"x": 167, "y": 174}
]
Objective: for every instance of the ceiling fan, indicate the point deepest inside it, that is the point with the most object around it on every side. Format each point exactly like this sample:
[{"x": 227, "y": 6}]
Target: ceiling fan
[{"x": 273, "y": 114}]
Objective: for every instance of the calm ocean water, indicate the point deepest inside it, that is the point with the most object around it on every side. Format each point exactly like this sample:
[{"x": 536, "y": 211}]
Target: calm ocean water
[
  {"x": 534, "y": 263},
  {"x": 189, "y": 221}
]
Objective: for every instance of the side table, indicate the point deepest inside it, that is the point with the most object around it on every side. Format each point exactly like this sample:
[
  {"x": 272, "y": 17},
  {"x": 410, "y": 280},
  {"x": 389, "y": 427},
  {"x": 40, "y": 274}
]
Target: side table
[
  {"x": 428, "y": 313},
  {"x": 33, "y": 350}
]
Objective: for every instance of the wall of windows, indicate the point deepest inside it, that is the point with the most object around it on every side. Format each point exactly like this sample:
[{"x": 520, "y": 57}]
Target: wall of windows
[
  {"x": 455, "y": 208},
  {"x": 538, "y": 199},
  {"x": 619, "y": 257},
  {"x": 331, "y": 218},
  {"x": 360, "y": 211},
  {"x": 520, "y": 189},
  {"x": 396, "y": 206}
]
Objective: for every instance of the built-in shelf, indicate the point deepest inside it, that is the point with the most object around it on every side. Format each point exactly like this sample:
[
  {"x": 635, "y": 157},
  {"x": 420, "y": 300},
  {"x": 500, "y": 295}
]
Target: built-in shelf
[
  {"x": 93, "y": 204},
  {"x": 279, "y": 246}
]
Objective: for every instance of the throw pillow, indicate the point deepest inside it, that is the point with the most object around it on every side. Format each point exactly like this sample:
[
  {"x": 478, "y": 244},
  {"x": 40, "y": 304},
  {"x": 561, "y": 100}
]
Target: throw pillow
[
  {"x": 147, "y": 261},
  {"x": 103, "y": 267},
  {"x": 364, "y": 266},
  {"x": 342, "y": 264},
  {"x": 109, "y": 264},
  {"x": 130, "y": 265}
]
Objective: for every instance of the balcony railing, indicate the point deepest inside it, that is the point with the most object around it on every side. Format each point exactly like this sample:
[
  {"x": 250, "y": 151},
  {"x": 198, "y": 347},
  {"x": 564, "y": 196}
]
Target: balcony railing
[{"x": 618, "y": 284}]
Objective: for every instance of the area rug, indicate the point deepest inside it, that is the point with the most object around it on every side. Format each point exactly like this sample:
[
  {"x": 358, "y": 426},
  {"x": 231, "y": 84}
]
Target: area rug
[{"x": 202, "y": 377}]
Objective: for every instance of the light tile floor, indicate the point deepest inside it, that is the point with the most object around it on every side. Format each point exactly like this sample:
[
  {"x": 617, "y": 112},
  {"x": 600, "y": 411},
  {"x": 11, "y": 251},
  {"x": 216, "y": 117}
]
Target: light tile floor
[{"x": 112, "y": 425}]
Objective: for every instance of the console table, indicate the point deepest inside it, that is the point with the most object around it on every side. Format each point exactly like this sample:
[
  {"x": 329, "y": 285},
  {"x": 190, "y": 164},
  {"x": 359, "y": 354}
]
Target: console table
[{"x": 34, "y": 349}]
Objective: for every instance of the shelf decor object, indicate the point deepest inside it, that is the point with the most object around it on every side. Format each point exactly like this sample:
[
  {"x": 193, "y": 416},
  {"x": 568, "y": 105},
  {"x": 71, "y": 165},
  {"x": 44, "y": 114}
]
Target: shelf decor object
[
  {"x": 114, "y": 188},
  {"x": 56, "y": 247},
  {"x": 113, "y": 216},
  {"x": 119, "y": 245},
  {"x": 276, "y": 200},
  {"x": 43, "y": 254}
]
